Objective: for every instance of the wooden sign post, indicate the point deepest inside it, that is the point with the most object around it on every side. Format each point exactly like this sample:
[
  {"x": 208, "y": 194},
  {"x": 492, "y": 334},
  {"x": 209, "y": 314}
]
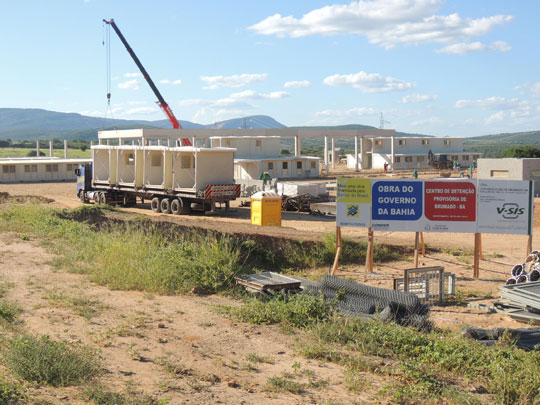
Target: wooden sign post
[
  {"x": 416, "y": 249},
  {"x": 423, "y": 245},
  {"x": 477, "y": 247},
  {"x": 369, "y": 253},
  {"x": 339, "y": 246}
]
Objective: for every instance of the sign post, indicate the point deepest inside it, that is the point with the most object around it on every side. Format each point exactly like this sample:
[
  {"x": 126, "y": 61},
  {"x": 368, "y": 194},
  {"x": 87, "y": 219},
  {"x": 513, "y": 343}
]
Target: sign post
[
  {"x": 339, "y": 245},
  {"x": 416, "y": 250}
]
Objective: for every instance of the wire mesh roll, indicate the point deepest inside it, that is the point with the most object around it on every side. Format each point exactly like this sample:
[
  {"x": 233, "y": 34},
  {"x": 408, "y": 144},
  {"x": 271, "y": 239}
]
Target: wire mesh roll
[{"x": 517, "y": 270}]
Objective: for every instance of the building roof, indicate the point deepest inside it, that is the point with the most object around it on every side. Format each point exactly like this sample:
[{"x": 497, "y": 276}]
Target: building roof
[
  {"x": 162, "y": 148},
  {"x": 34, "y": 161},
  {"x": 277, "y": 158},
  {"x": 155, "y": 133}
]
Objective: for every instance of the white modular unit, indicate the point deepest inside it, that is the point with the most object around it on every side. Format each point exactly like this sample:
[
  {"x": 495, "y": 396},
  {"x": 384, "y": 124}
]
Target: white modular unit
[
  {"x": 298, "y": 188},
  {"x": 162, "y": 168},
  {"x": 104, "y": 159},
  {"x": 28, "y": 170}
]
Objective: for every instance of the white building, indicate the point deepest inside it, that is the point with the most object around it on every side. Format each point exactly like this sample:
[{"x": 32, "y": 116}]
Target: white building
[
  {"x": 409, "y": 153},
  {"x": 511, "y": 169},
  {"x": 21, "y": 170},
  {"x": 258, "y": 154}
]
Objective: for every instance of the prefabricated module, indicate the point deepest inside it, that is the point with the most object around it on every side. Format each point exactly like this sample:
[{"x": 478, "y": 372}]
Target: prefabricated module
[{"x": 176, "y": 179}]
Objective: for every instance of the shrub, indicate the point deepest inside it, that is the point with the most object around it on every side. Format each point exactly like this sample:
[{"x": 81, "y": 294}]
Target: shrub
[{"x": 42, "y": 360}]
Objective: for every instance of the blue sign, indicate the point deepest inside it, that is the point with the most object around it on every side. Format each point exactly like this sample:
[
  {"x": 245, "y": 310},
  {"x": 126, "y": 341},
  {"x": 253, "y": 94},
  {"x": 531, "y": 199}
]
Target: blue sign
[{"x": 397, "y": 200}]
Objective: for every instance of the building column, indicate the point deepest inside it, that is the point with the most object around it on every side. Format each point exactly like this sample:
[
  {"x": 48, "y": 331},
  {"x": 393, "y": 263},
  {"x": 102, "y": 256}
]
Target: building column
[
  {"x": 392, "y": 152},
  {"x": 65, "y": 149},
  {"x": 159, "y": 142},
  {"x": 169, "y": 142},
  {"x": 362, "y": 151},
  {"x": 120, "y": 141},
  {"x": 333, "y": 153},
  {"x": 356, "y": 153},
  {"x": 326, "y": 152},
  {"x": 37, "y": 148},
  {"x": 51, "y": 148},
  {"x": 296, "y": 146}
]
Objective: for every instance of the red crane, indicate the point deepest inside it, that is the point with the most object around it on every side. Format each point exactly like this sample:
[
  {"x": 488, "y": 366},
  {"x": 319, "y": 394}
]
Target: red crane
[{"x": 161, "y": 101}]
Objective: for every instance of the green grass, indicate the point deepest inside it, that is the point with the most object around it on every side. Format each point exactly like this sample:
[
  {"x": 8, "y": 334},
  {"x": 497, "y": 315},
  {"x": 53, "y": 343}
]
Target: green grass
[
  {"x": 298, "y": 310},
  {"x": 11, "y": 392},
  {"x": 9, "y": 312},
  {"x": 101, "y": 395},
  {"x": 81, "y": 305},
  {"x": 426, "y": 367},
  {"x": 147, "y": 256},
  {"x": 45, "y": 361},
  {"x": 256, "y": 358},
  {"x": 23, "y": 152},
  {"x": 284, "y": 384},
  {"x": 131, "y": 257}
]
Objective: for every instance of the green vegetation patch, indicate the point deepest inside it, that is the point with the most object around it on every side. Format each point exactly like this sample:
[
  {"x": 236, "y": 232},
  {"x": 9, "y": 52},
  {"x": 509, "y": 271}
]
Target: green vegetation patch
[
  {"x": 45, "y": 361},
  {"x": 298, "y": 310}
]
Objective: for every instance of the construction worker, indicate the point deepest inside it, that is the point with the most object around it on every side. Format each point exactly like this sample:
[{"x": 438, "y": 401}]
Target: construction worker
[
  {"x": 385, "y": 166},
  {"x": 265, "y": 177},
  {"x": 471, "y": 170},
  {"x": 415, "y": 174}
]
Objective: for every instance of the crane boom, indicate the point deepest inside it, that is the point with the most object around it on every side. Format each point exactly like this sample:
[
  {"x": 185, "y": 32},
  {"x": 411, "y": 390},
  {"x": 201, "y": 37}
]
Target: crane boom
[{"x": 161, "y": 101}]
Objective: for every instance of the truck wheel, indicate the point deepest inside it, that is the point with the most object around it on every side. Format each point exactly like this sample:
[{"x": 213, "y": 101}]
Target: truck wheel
[
  {"x": 102, "y": 198},
  {"x": 155, "y": 205},
  {"x": 166, "y": 206},
  {"x": 96, "y": 197},
  {"x": 176, "y": 207}
]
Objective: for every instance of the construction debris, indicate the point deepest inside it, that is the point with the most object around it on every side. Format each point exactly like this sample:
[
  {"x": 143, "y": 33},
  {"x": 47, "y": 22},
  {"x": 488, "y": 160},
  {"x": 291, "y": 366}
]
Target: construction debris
[
  {"x": 522, "y": 291},
  {"x": 527, "y": 271},
  {"x": 526, "y": 338},
  {"x": 268, "y": 281},
  {"x": 429, "y": 284},
  {"x": 300, "y": 203},
  {"x": 359, "y": 300}
]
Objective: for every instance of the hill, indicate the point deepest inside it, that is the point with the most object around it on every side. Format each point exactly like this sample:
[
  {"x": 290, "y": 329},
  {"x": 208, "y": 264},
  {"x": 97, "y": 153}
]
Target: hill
[
  {"x": 33, "y": 123},
  {"x": 20, "y": 124},
  {"x": 492, "y": 145}
]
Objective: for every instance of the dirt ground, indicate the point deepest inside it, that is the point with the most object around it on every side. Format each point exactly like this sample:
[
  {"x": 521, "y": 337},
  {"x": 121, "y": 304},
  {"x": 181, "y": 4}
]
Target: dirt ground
[
  {"x": 136, "y": 331},
  {"x": 500, "y": 252}
]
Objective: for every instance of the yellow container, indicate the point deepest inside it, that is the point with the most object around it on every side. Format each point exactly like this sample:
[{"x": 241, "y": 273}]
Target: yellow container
[{"x": 266, "y": 209}]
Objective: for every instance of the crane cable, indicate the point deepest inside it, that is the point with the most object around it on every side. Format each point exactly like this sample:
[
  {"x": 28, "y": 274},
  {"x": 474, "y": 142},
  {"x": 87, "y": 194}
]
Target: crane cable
[{"x": 106, "y": 41}]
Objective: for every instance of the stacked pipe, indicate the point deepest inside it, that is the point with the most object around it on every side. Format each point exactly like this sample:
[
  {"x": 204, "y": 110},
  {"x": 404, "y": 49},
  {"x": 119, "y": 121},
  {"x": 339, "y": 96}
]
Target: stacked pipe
[
  {"x": 355, "y": 299},
  {"x": 527, "y": 271}
]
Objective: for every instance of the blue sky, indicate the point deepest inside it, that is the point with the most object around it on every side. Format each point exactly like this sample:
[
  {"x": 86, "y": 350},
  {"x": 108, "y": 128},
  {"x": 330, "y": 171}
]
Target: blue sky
[{"x": 446, "y": 68}]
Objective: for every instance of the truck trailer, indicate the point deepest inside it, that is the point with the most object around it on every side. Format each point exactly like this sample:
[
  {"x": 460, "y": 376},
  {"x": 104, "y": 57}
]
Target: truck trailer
[{"x": 174, "y": 179}]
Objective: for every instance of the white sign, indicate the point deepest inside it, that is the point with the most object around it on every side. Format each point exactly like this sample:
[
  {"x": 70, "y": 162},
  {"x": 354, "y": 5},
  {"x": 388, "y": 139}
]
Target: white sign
[
  {"x": 505, "y": 207},
  {"x": 436, "y": 205}
]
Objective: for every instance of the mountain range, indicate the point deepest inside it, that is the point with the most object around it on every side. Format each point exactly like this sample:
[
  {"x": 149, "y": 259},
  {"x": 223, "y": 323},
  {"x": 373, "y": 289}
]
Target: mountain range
[{"x": 20, "y": 124}]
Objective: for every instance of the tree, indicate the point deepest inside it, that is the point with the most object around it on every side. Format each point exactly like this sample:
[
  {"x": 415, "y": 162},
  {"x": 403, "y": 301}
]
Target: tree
[{"x": 521, "y": 152}]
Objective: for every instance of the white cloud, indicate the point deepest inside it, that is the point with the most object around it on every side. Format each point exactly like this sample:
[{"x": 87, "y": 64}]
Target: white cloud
[
  {"x": 251, "y": 94},
  {"x": 173, "y": 82},
  {"x": 431, "y": 120},
  {"x": 132, "y": 75},
  {"x": 535, "y": 89},
  {"x": 368, "y": 82},
  {"x": 418, "y": 98},
  {"x": 140, "y": 111},
  {"x": 462, "y": 48},
  {"x": 497, "y": 117},
  {"x": 352, "y": 112},
  {"x": 297, "y": 84},
  {"x": 490, "y": 103},
  {"x": 234, "y": 81},
  {"x": 129, "y": 85},
  {"x": 383, "y": 22}
]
